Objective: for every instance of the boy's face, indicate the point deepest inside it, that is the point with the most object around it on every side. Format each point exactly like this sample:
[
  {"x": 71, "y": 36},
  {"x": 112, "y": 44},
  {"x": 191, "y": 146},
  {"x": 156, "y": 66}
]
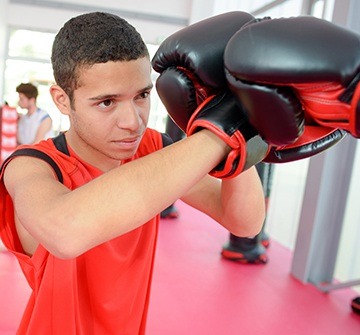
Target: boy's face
[
  {"x": 111, "y": 110},
  {"x": 24, "y": 101}
]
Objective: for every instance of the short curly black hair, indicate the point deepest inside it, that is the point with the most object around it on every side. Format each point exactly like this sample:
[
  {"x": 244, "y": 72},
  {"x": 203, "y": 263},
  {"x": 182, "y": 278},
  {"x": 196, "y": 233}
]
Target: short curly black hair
[{"x": 92, "y": 38}]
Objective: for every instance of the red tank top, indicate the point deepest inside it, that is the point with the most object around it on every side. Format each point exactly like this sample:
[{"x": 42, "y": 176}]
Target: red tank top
[{"x": 105, "y": 290}]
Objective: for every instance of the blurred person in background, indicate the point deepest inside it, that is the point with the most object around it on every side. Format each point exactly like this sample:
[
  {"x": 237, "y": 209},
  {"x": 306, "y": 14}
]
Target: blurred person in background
[{"x": 36, "y": 124}]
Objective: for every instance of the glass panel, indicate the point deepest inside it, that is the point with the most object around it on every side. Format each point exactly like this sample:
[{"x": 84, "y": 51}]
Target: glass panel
[
  {"x": 243, "y": 5},
  {"x": 287, "y": 8},
  {"x": 285, "y": 201},
  {"x": 30, "y": 44},
  {"x": 40, "y": 74},
  {"x": 348, "y": 257},
  {"x": 29, "y": 61},
  {"x": 18, "y": 71}
]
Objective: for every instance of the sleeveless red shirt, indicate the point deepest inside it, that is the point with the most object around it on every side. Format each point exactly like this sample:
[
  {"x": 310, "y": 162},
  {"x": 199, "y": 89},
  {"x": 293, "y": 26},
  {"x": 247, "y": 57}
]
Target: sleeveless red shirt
[{"x": 103, "y": 291}]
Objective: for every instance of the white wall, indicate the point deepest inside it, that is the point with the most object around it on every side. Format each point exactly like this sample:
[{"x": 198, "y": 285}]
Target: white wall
[{"x": 142, "y": 14}]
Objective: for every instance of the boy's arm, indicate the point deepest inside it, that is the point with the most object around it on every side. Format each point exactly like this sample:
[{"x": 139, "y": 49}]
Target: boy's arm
[
  {"x": 68, "y": 223},
  {"x": 44, "y": 127},
  {"x": 237, "y": 203}
]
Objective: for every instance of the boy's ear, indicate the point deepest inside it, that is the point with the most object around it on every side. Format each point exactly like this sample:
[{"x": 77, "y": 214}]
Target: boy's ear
[{"x": 61, "y": 99}]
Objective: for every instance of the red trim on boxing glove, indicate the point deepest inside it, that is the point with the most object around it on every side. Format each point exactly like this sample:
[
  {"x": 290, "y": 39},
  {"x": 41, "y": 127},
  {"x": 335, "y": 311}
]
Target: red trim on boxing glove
[
  {"x": 355, "y": 109},
  {"x": 322, "y": 102},
  {"x": 235, "y": 161}
]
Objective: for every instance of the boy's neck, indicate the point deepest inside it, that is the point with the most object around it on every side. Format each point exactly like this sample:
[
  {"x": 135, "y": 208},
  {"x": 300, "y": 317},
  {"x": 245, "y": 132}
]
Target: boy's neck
[{"x": 32, "y": 110}]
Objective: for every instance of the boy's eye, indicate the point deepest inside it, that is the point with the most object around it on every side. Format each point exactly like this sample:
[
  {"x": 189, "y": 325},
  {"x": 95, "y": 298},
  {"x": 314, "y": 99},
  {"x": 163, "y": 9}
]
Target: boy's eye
[
  {"x": 144, "y": 95},
  {"x": 106, "y": 103}
]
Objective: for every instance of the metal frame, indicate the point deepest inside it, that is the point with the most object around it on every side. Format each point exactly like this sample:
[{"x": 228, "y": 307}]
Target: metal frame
[
  {"x": 325, "y": 197},
  {"x": 322, "y": 215}
]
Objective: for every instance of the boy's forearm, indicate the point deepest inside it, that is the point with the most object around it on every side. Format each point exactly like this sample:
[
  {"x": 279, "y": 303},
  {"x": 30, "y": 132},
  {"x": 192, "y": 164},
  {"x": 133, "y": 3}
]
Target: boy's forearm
[
  {"x": 243, "y": 203},
  {"x": 127, "y": 197}
]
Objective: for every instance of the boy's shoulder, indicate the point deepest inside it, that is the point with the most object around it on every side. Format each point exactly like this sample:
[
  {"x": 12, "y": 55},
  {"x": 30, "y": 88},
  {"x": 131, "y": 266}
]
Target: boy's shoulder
[{"x": 152, "y": 140}]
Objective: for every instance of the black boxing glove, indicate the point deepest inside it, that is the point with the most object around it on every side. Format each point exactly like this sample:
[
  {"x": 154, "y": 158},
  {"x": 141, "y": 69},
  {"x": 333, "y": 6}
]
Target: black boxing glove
[
  {"x": 313, "y": 141},
  {"x": 194, "y": 54},
  {"x": 222, "y": 115},
  {"x": 191, "y": 67},
  {"x": 295, "y": 72}
]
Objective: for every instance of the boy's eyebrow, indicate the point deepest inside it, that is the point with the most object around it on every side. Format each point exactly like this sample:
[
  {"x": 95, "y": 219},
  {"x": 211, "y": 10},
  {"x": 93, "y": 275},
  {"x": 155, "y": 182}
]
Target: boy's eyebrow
[{"x": 114, "y": 96}]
